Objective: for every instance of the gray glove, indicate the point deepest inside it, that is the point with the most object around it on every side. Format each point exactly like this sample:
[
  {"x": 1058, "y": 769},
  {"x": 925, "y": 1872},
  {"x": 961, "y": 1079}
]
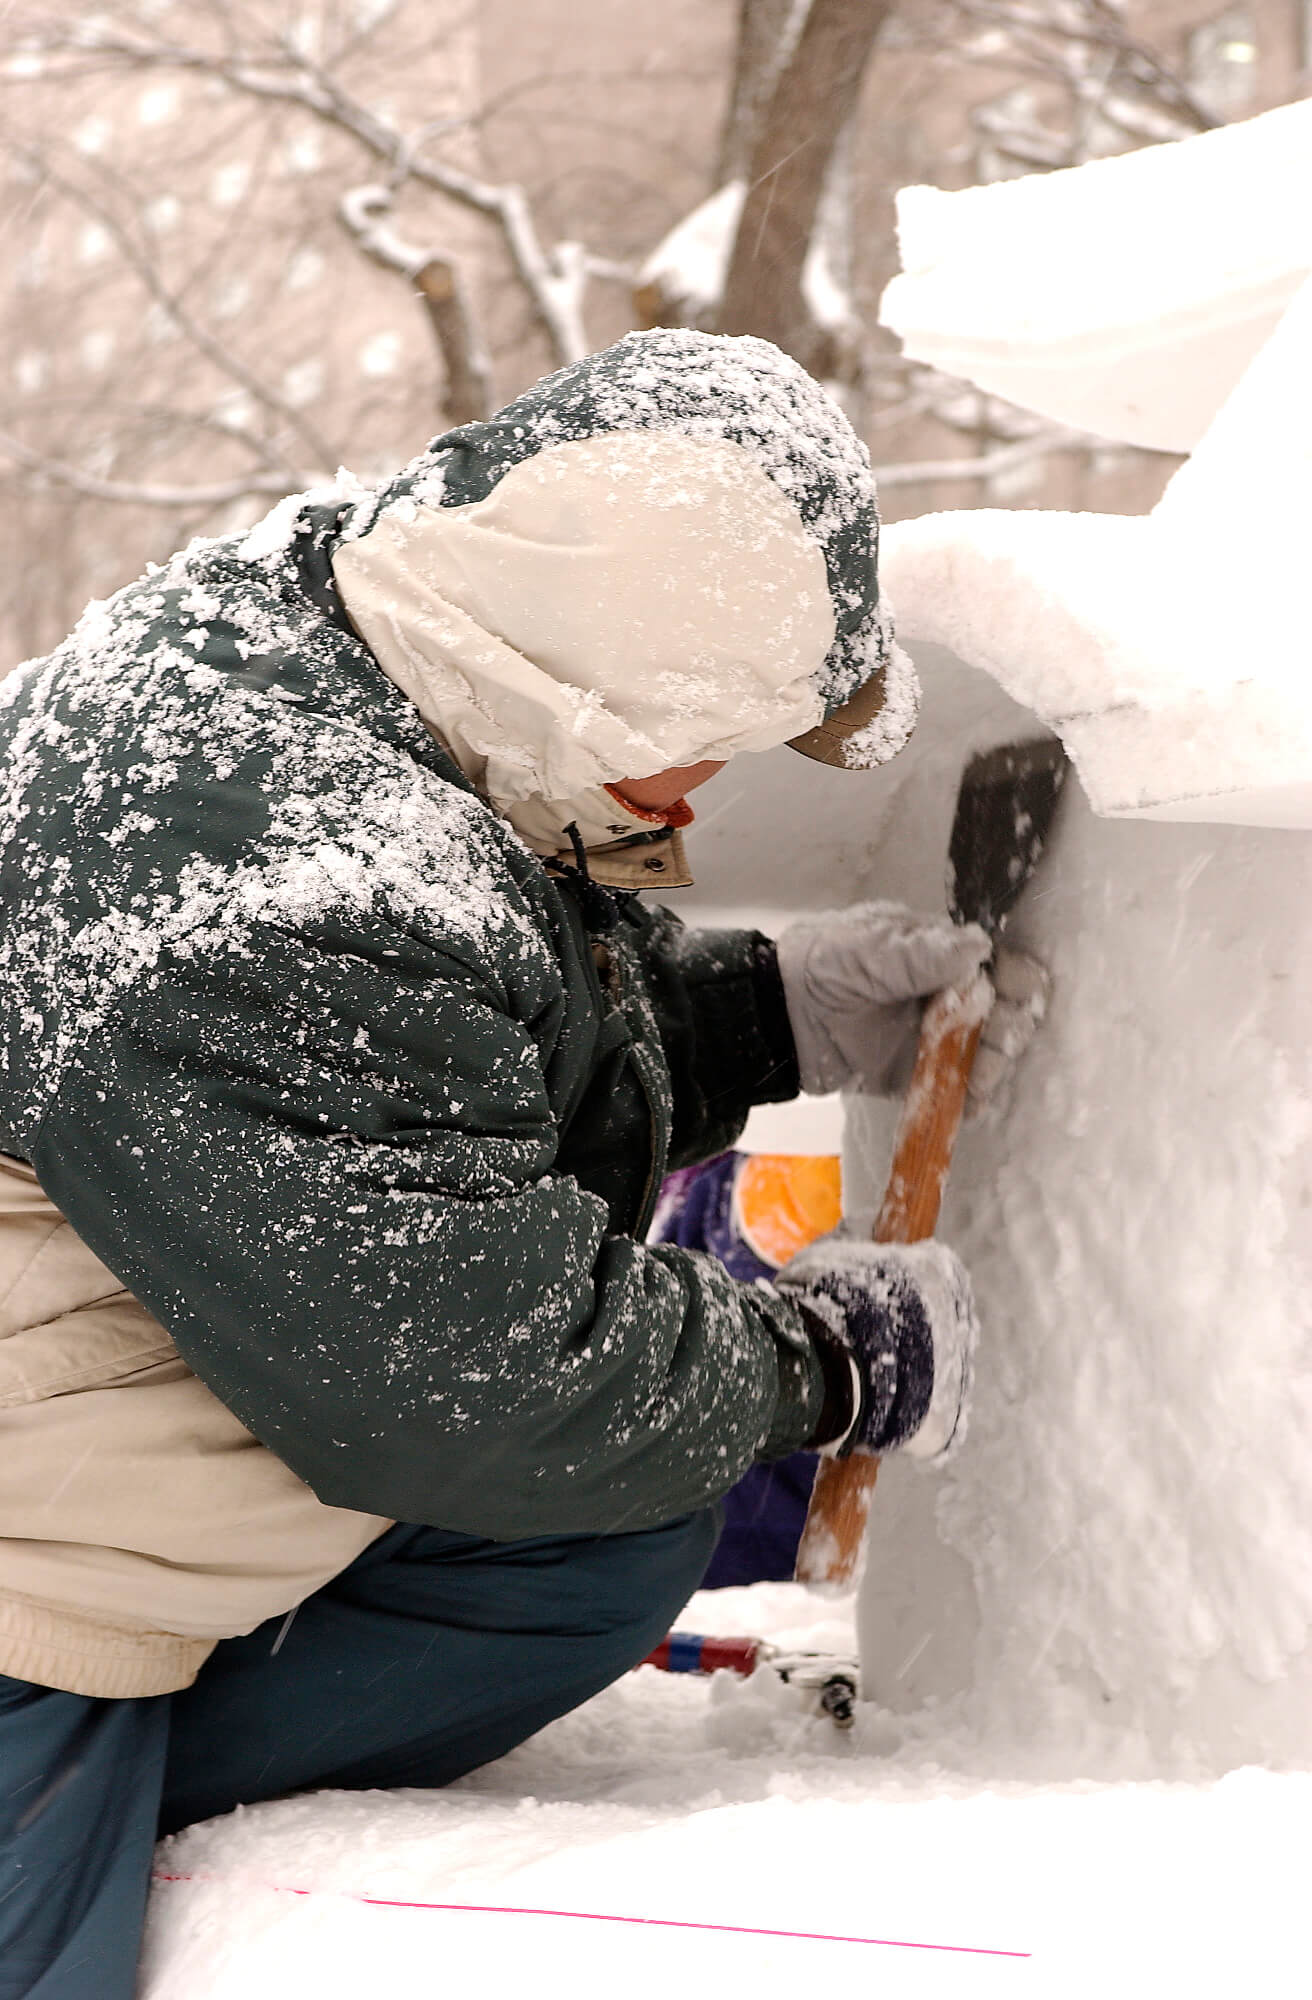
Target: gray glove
[
  {"x": 855, "y": 981},
  {"x": 1020, "y": 986}
]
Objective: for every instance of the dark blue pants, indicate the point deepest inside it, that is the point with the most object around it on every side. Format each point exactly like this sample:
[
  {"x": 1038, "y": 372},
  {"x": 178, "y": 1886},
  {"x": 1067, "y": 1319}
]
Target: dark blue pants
[{"x": 433, "y": 1653}]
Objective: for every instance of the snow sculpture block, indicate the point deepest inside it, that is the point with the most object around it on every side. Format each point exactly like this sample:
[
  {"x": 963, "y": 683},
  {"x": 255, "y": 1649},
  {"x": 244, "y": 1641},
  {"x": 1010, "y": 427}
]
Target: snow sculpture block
[
  {"x": 1124, "y": 297},
  {"x": 1112, "y": 1578}
]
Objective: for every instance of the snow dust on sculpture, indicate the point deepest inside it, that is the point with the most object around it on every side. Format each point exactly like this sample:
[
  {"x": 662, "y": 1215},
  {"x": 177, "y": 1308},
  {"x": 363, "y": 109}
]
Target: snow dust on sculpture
[{"x": 1115, "y": 1578}]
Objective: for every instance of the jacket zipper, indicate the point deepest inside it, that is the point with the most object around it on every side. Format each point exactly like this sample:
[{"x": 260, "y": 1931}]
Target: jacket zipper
[{"x": 660, "y": 1150}]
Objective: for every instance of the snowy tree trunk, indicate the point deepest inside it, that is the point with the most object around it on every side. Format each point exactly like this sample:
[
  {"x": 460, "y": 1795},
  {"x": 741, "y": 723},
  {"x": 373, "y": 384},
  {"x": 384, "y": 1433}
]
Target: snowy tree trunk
[{"x": 811, "y": 103}]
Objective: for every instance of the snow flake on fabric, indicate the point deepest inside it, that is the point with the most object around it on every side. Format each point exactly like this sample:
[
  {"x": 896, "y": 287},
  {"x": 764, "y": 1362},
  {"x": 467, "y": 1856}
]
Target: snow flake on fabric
[{"x": 215, "y": 687}]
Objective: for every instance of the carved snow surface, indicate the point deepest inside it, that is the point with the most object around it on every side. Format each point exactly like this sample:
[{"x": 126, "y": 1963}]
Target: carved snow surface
[{"x": 1114, "y": 1575}]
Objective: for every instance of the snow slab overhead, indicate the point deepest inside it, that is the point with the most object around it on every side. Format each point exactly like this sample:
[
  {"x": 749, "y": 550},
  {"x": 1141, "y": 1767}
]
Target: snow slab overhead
[
  {"x": 1171, "y": 652},
  {"x": 1124, "y": 297}
]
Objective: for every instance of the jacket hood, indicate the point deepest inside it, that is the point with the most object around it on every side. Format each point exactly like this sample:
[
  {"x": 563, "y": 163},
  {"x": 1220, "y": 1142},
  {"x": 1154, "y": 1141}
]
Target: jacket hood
[{"x": 664, "y": 552}]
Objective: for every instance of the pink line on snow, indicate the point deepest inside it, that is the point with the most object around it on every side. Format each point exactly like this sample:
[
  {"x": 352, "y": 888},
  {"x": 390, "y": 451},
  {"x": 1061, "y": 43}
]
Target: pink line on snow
[{"x": 609, "y": 1917}]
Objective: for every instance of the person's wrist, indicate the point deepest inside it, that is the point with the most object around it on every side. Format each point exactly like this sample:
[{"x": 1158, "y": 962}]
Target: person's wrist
[{"x": 776, "y": 1022}]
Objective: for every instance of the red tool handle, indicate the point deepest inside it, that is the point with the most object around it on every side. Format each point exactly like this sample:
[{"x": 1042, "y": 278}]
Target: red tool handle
[
  {"x": 693, "y": 1653},
  {"x": 830, "y": 1547}
]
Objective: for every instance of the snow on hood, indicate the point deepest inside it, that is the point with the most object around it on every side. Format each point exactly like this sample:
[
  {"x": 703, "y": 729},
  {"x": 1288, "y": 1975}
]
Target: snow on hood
[
  {"x": 662, "y": 553},
  {"x": 616, "y": 605}
]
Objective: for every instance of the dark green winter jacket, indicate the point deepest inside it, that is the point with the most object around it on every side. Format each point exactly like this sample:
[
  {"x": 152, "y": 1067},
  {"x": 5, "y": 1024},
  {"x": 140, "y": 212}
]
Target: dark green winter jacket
[{"x": 325, "y": 1067}]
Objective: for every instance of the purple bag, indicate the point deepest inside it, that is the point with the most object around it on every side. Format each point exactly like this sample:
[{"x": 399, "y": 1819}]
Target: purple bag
[{"x": 765, "y": 1512}]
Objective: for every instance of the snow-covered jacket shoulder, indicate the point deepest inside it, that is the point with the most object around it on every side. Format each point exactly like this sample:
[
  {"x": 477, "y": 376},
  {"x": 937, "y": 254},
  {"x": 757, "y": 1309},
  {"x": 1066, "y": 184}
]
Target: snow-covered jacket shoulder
[{"x": 319, "y": 1062}]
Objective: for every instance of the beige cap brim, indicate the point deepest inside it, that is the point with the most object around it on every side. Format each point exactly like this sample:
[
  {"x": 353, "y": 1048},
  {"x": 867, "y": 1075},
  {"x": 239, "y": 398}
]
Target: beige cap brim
[{"x": 827, "y": 741}]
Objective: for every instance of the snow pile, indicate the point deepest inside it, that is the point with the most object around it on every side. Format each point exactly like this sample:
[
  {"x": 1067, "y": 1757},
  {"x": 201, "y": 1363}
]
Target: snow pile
[
  {"x": 1124, "y": 297},
  {"x": 730, "y": 1821},
  {"x": 685, "y": 273}
]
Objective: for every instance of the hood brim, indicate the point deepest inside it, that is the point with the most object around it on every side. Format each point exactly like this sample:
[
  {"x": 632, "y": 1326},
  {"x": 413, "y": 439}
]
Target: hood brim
[{"x": 873, "y": 724}]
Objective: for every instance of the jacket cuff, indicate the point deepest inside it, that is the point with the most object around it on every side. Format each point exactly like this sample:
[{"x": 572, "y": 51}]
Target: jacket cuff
[
  {"x": 737, "y": 992},
  {"x": 803, "y": 1392},
  {"x": 782, "y": 1079},
  {"x": 726, "y": 1034}
]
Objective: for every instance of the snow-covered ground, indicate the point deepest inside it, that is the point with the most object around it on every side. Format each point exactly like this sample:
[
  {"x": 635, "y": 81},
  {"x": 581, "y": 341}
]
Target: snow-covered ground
[{"x": 730, "y": 1820}]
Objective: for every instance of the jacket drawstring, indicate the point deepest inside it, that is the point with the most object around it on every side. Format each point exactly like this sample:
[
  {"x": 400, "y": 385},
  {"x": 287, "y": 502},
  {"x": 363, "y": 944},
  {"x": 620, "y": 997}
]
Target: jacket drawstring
[{"x": 599, "y": 909}]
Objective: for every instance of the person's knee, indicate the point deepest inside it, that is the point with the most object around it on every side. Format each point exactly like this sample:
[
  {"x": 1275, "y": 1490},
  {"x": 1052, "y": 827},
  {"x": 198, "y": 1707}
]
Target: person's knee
[
  {"x": 639, "y": 1583},
  {"x": 618, "y": 1593}
]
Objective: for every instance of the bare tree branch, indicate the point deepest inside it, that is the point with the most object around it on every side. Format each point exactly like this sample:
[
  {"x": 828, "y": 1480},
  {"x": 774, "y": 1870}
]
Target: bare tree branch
[
  {"x": 137, "y": 494},
  {"x": 148, "y": 275},
  {"x": 436, "y": 278},
  {"x": 1102, "y": 28},
  {"x": 988, "y": 464},
  {"x": 553, "y": 280}
]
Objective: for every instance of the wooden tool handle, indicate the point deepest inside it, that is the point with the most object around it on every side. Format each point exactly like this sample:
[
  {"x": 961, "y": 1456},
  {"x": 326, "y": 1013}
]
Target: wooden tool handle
[{"x": 831, "y": 1541}]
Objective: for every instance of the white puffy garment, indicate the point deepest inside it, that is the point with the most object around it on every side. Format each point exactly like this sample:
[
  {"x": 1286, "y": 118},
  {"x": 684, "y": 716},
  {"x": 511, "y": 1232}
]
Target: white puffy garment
[
  {"x": 1124, "y": 297},
  {"x": 617, "y": 605}
]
